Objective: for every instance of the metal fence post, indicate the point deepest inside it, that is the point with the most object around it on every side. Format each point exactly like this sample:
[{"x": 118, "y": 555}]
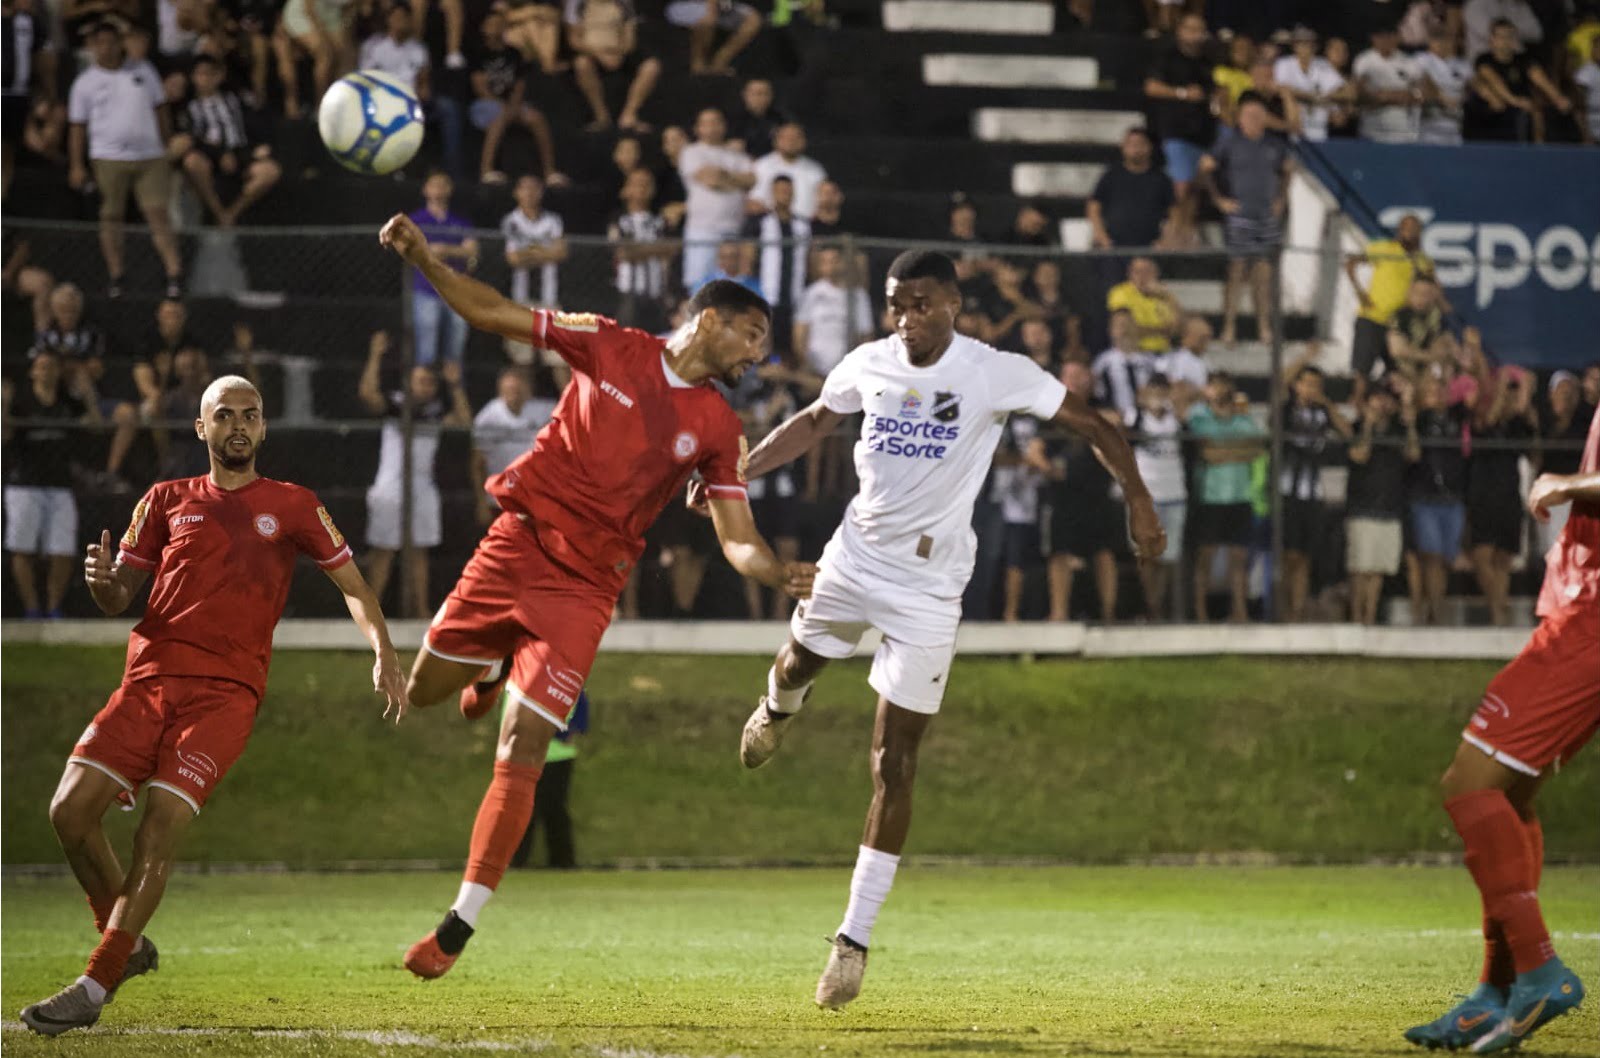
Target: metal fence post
[
  {"x": 407, "y": 344},
  {"x": 1276, "y": 398}
]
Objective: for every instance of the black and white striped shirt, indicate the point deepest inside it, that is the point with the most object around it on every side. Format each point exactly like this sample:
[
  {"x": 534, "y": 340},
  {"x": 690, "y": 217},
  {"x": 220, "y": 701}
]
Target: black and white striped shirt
[
  {"x": 217, "y": 121},
  {"x": 647, "y": 278}
]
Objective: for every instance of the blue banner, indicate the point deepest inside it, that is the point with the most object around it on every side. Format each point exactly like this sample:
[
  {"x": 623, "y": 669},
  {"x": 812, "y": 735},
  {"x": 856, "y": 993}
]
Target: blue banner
[{"x": 1513, "y": 230}]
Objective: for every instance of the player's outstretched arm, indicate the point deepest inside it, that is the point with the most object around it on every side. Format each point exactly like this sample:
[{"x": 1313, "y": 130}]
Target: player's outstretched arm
[
  {"x": 112, "y": 583},
  {"x": 747, "y": 551},
  {"x": 387, "y": 677},
  {"x": 1555, "y": 490},
  {"x": 479, "y": 304},
  {"x": 1111, "y": 448},
  {"x": 787, "y": 442}
]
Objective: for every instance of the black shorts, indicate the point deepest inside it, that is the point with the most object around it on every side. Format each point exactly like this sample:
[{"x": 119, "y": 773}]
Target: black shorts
[
  {"x": 1019, "y": 543},
  {"x": 1222, "y": 524},
  {"x": 1302, "y": 525},
  {"x": 242, "y": 157},
  {"x": 1369, "y": 351},
  {"x": 14, "y": 116},
  {"x": 1087, "y": 527},
  {"x": 1497, "y": 524}
]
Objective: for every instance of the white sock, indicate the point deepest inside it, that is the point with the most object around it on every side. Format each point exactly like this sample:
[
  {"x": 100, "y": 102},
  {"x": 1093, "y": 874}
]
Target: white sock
[
  {"x": 782, "y": 701},
  {"x": 869, "y": 888},
  {"x": 492, "y": 673},
  {"x": 470, "y": 901},
  {"x": 96, "y": 990}
]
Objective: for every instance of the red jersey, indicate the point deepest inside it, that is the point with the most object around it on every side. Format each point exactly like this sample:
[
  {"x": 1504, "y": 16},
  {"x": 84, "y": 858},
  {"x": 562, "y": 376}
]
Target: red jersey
[
  {"x": 223, "y": 560},
  {"x": 1572, "y": 568},
  {"x": 620, "y": 446}
]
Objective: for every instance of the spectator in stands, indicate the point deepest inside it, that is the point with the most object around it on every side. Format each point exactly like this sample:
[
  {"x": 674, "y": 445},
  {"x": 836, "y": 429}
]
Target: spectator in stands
[
  {"x": 1156, "y": 425},
  {"x": 833, "y": 315},
  {"x": 604, "y": 36},
  {"x": 1395, "y": 263},
  {"x": 216, "y": 141},
  {"x": 1039, "y": 345},
  {"x": 1590, "y": 384},
  {"x": 1161, "y": 14},
  {"x": 734, "y": 261},
  {"x": 1008, "y": 304},
  {"x": 717, "y": 178},
  {"x": 1586, "y": 94},
  {"x": 788, "y": 159},
  {"x": 1307, "y": 420},
  {"x": 27, "y": 55},
  {"x": 1154, "y": 309},
  {"x": 66, "y": 331},
  {"x": 398, "y": 53},
  {"x": 1044, "y": 290},
  {"x": 638, "y": 237},
  {"x": 1087, "y": 525},
  {"x": 1185, "y": 368},
  {"x": 1509, "y": 91},
  {"x": 756, "y": 122},
  {"x": 1283, "y": 110},
  {"x": 828, "y": 220},
  {"x": 1445, "y": 76},
  {"x": 439, "y": 334},
  {"x": 1233, "y": 76},
  {"x": 1020, "y": 467},
  {"x": 765, "y": 397},
  {"x": 120, "y": 127},
  {"x": 499, "y": 101},
  {"x": 321, "y": 29},
  {"x": 1563, "y": 427},
  {"x": 1341, "y": 118},
  {"x": 1416, "y": 329},
  {"x": 704, "y": 19},
  {"x": 1388, "y": 86},
  {"x": 1479, "y": 18},
  {"x": 1435, "y": 491},
  {"x": 783, "y": 241},
  {"x": 533, "y": 27},
  {"x": 502, "y": 430},
  {"x": 1030, "y": 227},
  {"x": 1424, "y": 18},
  {"x": 436, "y": 400},
  {"x": 1313, "y": 82},
  {"x": 1504, "y": 426},
  {"x": 671, "y": 192},
  {"x": 40, "y": 512},
  {"x": 1230, "y": 440},
  {"x": 191, "y": 374},
  {"x": 535, "y": 238},
  {"x": 1255, "y": 174},
  {"x": 1183, "y": 88},
  {"x": 1133, "y": 204},
  {"x": 153, "y": 370},
  {"x": 1123, "y": 369},
  {"x": 1385, "y": 445}
]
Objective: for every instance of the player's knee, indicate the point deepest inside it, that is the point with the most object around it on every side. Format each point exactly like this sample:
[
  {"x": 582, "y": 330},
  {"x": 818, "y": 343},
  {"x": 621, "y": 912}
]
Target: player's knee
[
  {"x": 70, "y": 819},
  {"x": 894, "y": 766}
]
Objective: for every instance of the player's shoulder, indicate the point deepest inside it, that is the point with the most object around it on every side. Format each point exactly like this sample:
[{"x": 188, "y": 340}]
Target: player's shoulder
[{"x": 278, "y": 490}]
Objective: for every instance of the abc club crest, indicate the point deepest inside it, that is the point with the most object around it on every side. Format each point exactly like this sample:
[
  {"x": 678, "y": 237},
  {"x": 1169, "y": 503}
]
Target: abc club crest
[{"x": 946, "y": 407}]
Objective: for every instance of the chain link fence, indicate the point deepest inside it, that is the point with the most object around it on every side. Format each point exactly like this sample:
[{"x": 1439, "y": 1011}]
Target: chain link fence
[{"x": 330, "y": 327}]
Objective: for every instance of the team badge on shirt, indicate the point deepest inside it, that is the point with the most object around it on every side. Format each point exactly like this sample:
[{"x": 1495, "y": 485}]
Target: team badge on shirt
[
  {"x": 911, "y": 404},
  {"x": 946, "y": 406},
  {"x": 684, "y": 446},
  {"x": 327, "y": 523},
  {"x": 267, "y": 525},
  {"x": 141, "y": 511}
]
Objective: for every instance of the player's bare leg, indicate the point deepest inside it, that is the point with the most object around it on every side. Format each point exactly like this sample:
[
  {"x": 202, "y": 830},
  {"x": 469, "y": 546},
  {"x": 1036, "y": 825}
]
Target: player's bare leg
[
  {"x": 788, "y": 686},
  {"x": 80, "y": 802},
  {"x": 433, "y": 679},
  {"x": 502, "y": 820},
  {"x": 155, "y": 846},
  {"x": 896, "y": 739}
]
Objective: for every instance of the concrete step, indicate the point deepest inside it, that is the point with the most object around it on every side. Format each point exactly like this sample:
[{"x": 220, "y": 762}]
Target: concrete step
[
  {"x": 969, "y": 16},
  {"x": 1055, "y": 179},
  {"x": 1001, "y": 124},
  {"x": 1010, "y": 71},
  {"x": 1197, "y": 295}
]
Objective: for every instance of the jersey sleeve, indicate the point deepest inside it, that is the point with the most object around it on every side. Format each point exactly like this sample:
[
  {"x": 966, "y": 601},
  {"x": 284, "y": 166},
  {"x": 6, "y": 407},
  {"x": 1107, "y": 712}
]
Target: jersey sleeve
[
  {"x": 722, "y": 467},
  {"x": 315, "y": 535},
  {"x": 577, "y": 337},
  {"x": 841, "y": 391},
  {"x": 147, "y": 533},
  {"x": 1017, "y": 384}
]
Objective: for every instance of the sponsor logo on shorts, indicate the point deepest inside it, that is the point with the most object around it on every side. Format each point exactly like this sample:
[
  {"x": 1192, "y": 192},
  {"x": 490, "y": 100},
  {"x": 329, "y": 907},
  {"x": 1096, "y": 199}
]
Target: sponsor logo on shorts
[
  {"x": 567, "y": 678},
  {"x": 1494, "y": 705},
  {"x": 559, "y": 695},
  {"x": 141, "y": 511},
  {"x": 616, "y": 394},
  {"x": 267, "y": 525},
  {"x": 576, "y": 321},
  {"x": 196, "y": 767},
  {"x": 334, "y": 534},
  {"x": 685, "y": 445}
]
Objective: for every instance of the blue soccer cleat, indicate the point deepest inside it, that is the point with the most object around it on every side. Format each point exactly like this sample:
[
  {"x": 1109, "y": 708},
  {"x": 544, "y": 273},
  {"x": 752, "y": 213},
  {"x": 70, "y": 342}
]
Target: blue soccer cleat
[
  {"x": 1469, "y": 1021},
  {"x": 1537, "y": 997}
]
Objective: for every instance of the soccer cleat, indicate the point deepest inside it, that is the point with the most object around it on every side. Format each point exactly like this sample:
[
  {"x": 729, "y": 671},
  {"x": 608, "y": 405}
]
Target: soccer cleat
[
  {"x": 841, "y": 978},
  {"x": 427, "y": 960},
  {"x": 763, "y": 733},
  {"x": 1465, "y": 1023},
  {"x": 70, "y": 1008},
  {"x": 1537, "y": 997},
  {"x": 145, "y": 959},
  {"x": 479, "y": 697}
]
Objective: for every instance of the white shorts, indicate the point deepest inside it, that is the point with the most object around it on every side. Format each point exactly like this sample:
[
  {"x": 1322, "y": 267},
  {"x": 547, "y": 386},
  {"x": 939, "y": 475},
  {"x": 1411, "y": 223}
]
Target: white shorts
[
  {"x": 41, "y": 521},
  {"x": 912, "y": 664},
  {"x": 688, "y": 13},
  {"x": 383, "y": 516},
  {"x": 1372, "y": 545}
]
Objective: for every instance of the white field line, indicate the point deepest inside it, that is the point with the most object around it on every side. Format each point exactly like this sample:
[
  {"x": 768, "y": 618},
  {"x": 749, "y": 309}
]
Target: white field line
[{"x": 375, "y": 1037}]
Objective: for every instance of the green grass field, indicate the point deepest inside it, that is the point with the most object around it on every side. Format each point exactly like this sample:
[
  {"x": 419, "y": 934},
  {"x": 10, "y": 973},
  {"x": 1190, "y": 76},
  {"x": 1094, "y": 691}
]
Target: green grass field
[{"x": 1160, "y": 962}]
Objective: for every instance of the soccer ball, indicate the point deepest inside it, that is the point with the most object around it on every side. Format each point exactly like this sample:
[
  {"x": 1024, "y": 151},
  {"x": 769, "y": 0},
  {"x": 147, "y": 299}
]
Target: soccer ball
[{"x": 370, "y": 122}]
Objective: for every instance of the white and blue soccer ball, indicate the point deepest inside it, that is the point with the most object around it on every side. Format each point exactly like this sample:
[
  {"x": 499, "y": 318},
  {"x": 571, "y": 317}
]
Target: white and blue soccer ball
[{"x": 371, "y": 122}]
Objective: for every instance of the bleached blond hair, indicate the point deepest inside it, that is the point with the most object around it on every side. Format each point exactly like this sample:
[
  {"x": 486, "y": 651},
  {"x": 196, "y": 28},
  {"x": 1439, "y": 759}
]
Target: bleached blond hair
[{"x": 225, "y": 384}]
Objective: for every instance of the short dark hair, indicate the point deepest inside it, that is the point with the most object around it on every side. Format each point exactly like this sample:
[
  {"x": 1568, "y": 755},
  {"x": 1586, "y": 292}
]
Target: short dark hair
[
  {"x": 1309, "y": 369},
  {"x": 781, "y": 179},
  {"x": 1140, "y": 130},
  {"x": 205, "y": 60},
  {"x": 725, "y": 295},
  {"x": 1506, "y": 22},
  {"x": 923, "y": 264},
  {"x": 1251, "y": 96}
]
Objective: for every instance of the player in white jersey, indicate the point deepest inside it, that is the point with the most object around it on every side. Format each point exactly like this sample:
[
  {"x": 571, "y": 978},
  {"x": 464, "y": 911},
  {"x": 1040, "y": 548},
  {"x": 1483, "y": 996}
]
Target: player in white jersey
[{"x": 934, "y": 405}]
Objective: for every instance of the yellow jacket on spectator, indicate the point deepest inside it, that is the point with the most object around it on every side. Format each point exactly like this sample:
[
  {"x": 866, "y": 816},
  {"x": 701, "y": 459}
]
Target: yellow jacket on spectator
[
  {"x": 1149, "y": 313},
  {"x": 1392, "y": 272},
  {"x": 1235, "y": 80}
]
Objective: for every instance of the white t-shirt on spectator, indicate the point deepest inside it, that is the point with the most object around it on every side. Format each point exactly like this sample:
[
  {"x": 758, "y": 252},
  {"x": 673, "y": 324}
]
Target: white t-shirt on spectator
[
  {"x": 1015, "y": 487},
  {"x": 1159, "y": 454},
  {"x": 1320, "y": 79},
  {"x": 521, "y": 232},
  {"x": 1182, "y": 365},
  {"x": 1397, "y": 72},
  {"x": 836, "y": 317},
  {"x": 1588, "y": 79},
  {"x": 405, "y": 59},
  {"x": 807, "y": 174},
  {"x": 1441, "y": 122},
  {"x": 119, "y": 106},
  {"x": 502, "y": 435},
  {"x": 707, "y": 212}
]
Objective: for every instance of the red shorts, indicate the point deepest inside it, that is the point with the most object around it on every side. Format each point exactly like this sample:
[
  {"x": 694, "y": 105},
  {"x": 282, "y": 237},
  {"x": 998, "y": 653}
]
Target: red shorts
[
  {"x": 1540, "y": 709},
  {"x": 180, "y": 733},
  {"x": 514, "y": 600}
]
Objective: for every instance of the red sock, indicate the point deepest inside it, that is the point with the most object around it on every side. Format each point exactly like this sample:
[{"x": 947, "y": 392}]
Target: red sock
[
  {"x": 1535, "y": 832},
  {"x": 1498, "y": 969},
  {"x": 102, "y": 912},
  {"x": 111, "y": 958},
  {"x": 1499, "y": 858},
  {"x": 502, "y": 820}
]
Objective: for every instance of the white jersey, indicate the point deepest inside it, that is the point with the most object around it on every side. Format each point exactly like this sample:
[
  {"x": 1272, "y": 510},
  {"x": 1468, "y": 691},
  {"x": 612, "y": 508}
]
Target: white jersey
[
  {"x": 928, "y": 437},
  {"x": 521, "y": 232}
]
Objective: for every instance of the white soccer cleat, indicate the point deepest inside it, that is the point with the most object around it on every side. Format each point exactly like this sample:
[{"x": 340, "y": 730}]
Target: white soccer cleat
[
  {"x": 70, "y": 1008},
  {"x": 762, "y": 735},
  {"x": 841, "y": 978}
]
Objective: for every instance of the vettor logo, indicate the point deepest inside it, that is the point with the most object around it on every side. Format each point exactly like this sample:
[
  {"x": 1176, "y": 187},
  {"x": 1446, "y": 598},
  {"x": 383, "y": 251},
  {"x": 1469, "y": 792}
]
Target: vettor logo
[{"x": 1492, "y": 257}]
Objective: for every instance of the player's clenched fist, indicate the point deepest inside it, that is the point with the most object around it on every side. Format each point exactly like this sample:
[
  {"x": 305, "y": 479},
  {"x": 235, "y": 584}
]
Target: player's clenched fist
[
  {"x": 798, "y": 577},
  {"x": 403, "y": 236},
  {"x": 1149, "y": 539},
  {"x": 100, "y": 564}
]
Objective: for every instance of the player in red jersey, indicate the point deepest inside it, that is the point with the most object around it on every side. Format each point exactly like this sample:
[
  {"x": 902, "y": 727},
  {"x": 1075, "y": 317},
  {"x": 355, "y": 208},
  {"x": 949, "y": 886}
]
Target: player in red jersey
[
  {"x": 222, "y": 548},
  {"x": 639, "y": 417},
  {"x": 1537, "y": 712}
]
